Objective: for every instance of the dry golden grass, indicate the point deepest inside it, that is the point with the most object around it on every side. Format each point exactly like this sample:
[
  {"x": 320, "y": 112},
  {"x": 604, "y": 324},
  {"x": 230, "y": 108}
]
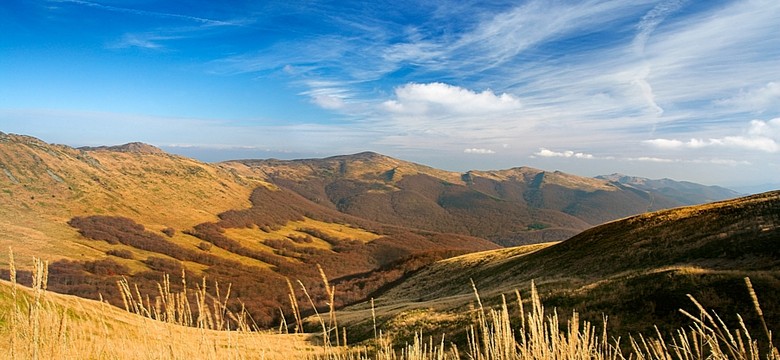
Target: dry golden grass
[
  {"x": 253, "y": 237},
  {"x": 37, "y": 324},
  {"x": 49, "y": 184},
  {"x": 40, "y": 325}
]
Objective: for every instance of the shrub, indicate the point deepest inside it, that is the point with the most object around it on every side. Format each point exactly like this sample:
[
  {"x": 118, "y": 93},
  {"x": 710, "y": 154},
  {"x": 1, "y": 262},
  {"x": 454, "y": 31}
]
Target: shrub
[
  {"x": 121, "y": 253},
  {"x": 106, "y": 267},
  {"x": 163, "y": 265},
  {"x": 205, "y": 246},
  {"x": 169, "y": 231}
]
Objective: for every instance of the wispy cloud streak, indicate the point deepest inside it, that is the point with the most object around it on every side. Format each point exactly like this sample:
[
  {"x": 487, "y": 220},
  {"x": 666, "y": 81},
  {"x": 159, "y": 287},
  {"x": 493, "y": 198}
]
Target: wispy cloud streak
[{"x": 156, "y": 14}]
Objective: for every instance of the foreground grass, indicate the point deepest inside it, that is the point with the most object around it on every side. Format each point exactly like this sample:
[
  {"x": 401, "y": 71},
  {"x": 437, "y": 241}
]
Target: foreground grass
[
  {"x": 40, "y": 325},
  {"x": 36, "y": 324}
]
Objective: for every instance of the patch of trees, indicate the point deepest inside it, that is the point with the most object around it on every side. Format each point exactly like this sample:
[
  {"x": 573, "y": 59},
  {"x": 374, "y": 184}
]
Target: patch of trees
[
  {"x": 289, "y": 248},
  {"x": 339, "y": 245},
  {"x": 214, "y": 234},
  {"x": 120, "y": 253},
  {"x": 105, "y": 267},
  {"x": 120, "y": 230}
]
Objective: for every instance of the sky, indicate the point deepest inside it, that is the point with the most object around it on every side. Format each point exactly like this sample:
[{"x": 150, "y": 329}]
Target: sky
[{"x": 688, "y": 90}]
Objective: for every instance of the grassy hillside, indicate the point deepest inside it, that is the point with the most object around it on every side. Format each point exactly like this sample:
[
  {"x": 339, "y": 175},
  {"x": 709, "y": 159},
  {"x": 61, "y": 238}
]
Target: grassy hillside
[
  {"x": 39, "y": 325},
  {"x": 36, "y": 324},
  {"x": 636, "y": 270},
  {"x": 99, "y": 214},
  {"x": 510, "y": 207},
  {"x": 44, "y": 185}
]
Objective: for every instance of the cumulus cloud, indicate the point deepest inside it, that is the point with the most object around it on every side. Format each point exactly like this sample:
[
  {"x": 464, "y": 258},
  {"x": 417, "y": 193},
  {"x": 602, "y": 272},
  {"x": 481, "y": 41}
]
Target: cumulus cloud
[
  {"x": 479, "y": 151},
  {"x": 566, "y": 154},
  {"x": 415, "y": 98},
  {"x": 760, "y": 136}
]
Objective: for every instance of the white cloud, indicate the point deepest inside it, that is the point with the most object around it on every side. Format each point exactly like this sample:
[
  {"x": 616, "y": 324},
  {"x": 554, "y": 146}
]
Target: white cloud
[
  {"x": 715, "y": 161},
  {"x": 328, "y": 101},
  {"x": 144, "y": 41},
  {"x": 329, "y": 95},
  {"x": 749, "y": 143},
  {"x": 479, "y": 151},
  {"x": 652, "y": 159},
  {"x": 651, "y": 20},
  {"x": 665, "y": 143},
  {"x": 442, "y": 116},
  {"x": 760, "y": 99},
  {"x": 565, "y": 154},
  {"x": 770, "y": 129},
  {"x": 647, "y": 90},
  {"x": 205, "y": 21},
  {"x": 760, "y": 136},
  {"x": 414, "y": 98}
]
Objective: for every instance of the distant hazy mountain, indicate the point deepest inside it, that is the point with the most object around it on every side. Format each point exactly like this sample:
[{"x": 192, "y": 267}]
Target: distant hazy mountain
[
  {"x": 756, "y": 189},
  {"x": 683, "y": 191}
]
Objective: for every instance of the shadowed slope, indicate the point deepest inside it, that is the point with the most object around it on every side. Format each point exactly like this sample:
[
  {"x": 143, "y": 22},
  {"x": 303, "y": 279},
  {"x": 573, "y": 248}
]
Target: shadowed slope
[{"x": 638, "y": 270}]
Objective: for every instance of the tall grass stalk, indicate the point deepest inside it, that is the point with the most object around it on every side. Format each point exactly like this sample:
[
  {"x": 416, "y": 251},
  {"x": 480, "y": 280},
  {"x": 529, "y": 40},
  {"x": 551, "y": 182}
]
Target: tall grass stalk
[
  {"x": 39, "y": 325},
  {"x": 39, "y": 328}
]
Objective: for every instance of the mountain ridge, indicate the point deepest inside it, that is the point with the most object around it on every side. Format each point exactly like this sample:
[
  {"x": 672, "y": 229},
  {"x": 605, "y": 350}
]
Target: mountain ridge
[
  {"x": 531, "y": 205},
  {"x": 132, "y": 147},
  {"x": 684, "y": 191}
]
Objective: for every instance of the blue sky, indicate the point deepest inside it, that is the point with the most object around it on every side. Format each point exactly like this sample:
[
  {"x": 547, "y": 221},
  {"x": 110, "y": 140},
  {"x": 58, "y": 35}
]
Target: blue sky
[{"x": 688, "y": 90}]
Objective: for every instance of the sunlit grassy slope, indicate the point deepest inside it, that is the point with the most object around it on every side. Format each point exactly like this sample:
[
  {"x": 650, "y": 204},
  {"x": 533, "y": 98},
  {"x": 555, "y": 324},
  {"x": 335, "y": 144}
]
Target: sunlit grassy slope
[
  {"x": 69, "y": 327},
  {"x": 45, "y": 185},
  {"x": 637, "y": 270}
]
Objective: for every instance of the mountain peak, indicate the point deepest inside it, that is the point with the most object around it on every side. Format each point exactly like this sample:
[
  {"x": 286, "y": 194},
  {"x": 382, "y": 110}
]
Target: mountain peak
[
  {"x": 365, "y": 155},
  {"x": 133, "y": 147}
]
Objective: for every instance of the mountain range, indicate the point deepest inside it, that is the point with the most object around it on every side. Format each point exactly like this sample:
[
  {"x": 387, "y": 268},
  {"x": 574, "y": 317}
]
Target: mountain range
[
  {"x": 509, "y": 207},
  {"x": 366, "y": 220}
]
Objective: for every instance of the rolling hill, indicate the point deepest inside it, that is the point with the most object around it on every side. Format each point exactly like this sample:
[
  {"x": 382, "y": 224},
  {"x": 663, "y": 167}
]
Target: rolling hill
[
  {"x": 102, "y": 213},
  {"x": 509, "y": 207},
  {"x": 637, "y": 270}
]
